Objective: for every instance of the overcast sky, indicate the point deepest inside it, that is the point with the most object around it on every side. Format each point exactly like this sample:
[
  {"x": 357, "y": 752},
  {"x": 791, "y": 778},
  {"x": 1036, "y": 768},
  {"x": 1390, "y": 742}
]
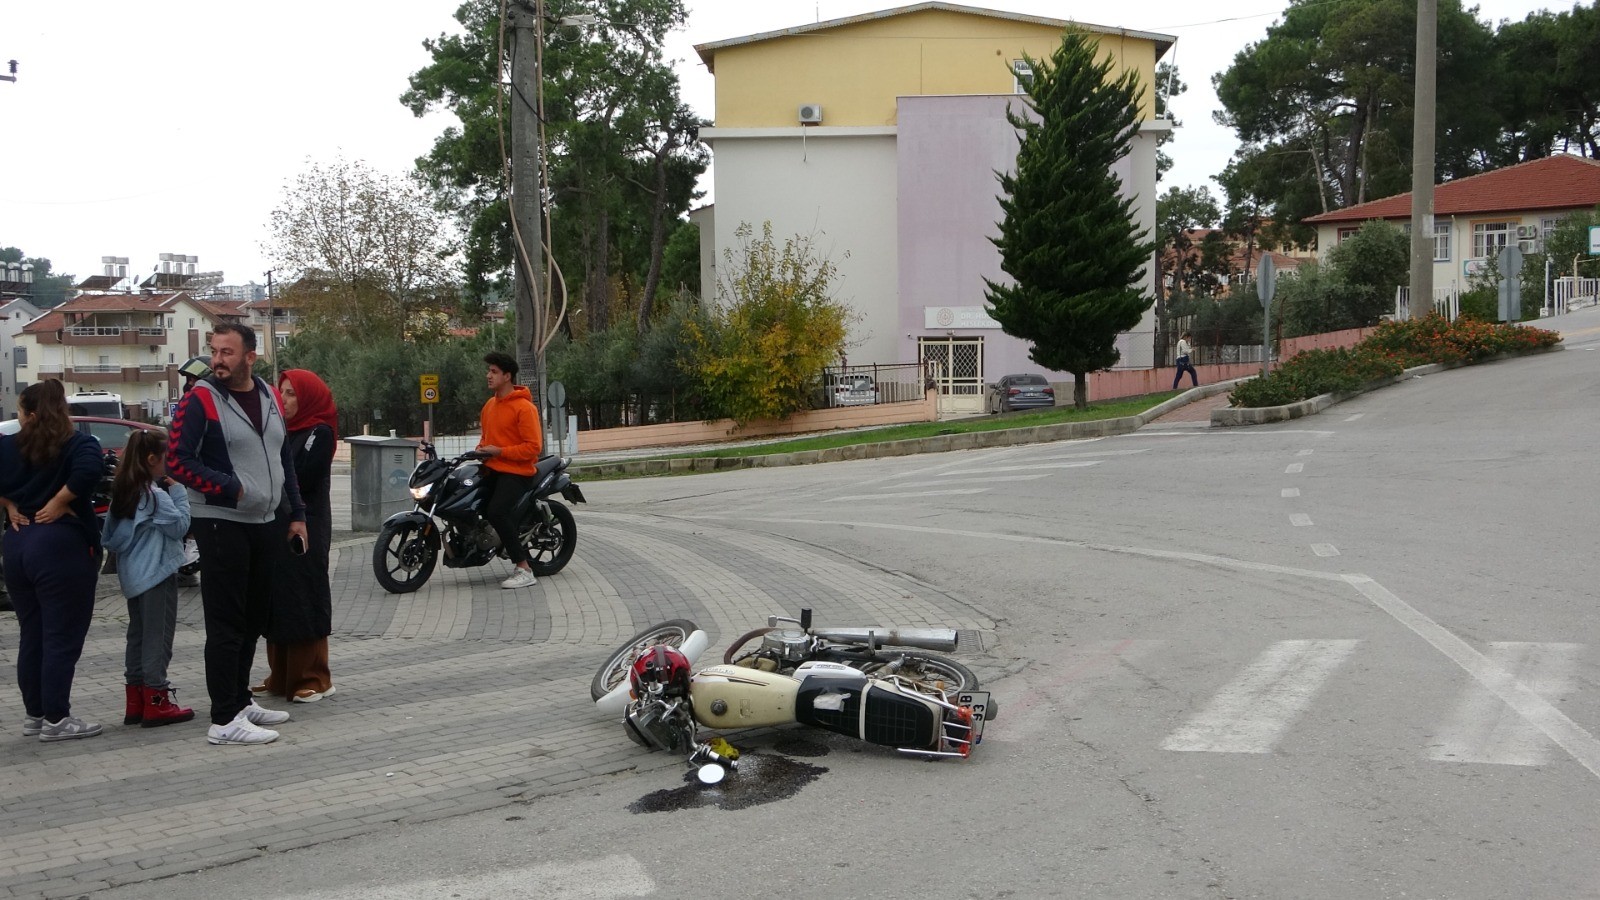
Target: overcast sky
[{"x": 135, "y": 129}]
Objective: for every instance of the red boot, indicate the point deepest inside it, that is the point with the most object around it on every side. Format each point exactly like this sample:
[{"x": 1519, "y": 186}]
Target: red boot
[
  {"x": 135, "y": 705},
  {"x": 160, "y": 710}
]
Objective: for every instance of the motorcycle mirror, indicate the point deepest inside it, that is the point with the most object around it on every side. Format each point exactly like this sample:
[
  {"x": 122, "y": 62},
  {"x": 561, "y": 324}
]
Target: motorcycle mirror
[{"x": 711, "y": 773}]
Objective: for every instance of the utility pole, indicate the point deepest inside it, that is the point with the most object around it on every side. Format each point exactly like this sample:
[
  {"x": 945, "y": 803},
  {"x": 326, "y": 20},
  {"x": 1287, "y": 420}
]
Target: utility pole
[
  {"x": 526, "y": 27},
  {"x": 1422, "y": 162},
  {"x": 272, "y": 330}
]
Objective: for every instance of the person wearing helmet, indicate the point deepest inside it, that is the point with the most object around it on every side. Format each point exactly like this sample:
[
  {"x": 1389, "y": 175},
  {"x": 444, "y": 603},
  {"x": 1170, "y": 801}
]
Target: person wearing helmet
[
  {"x": 194, "y": 370},
  {"x": 189, "y": 573}
]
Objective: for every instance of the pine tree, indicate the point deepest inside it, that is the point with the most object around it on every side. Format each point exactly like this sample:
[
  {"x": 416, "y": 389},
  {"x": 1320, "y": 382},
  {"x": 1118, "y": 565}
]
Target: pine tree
[{"x": 1068, "y": 240}]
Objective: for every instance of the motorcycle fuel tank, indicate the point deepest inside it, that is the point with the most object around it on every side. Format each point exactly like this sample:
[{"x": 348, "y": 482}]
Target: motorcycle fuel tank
[{"x": 737, "y": 697}]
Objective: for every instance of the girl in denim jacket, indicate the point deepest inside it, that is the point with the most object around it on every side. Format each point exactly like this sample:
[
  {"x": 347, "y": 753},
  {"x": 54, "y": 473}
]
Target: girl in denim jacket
[{"x": 148, "y": 518}]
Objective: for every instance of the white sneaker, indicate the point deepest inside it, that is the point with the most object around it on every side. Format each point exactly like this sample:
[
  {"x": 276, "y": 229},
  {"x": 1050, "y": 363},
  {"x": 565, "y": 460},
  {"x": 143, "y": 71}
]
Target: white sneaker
[
  {"x": 259, "y": 715},
  {"x": 70, "y": 728},
  {"x": 32, "y": 725},
  {"x": 521, "y": 578},
  {"x": 240, "y": 731}
]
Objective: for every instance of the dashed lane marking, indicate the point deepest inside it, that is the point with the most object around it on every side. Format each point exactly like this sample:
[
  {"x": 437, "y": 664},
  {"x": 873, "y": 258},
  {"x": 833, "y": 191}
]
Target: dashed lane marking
[
  {"x": 1300, "y": 520},
  {"x": 1289, "y": 492},
  {"x": 1324, "y": 549},
  {"x": 1354, "y": 417},
  {"x": 1295, "y": 469},
  {"x": 1254, "y": 711}
]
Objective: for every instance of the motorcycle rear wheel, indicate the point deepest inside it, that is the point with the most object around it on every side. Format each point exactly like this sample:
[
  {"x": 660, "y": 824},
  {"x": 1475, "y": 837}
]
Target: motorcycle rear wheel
[
  {"x": 550, "y": 546},
  {"x": 925, "y": 672},
  {"x": 404, "y": 557},
  {"x": 615, "y": 669}
]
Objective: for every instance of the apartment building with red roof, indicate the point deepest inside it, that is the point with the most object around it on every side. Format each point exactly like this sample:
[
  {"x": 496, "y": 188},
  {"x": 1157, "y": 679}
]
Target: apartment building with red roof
[
  {"x": 129, "y": 344},
  {"x": 1474, "y": 217}
]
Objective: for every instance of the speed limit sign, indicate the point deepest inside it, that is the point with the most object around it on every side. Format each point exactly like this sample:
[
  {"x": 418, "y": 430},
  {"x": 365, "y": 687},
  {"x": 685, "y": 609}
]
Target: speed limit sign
[{"x": 430, "y": 388}]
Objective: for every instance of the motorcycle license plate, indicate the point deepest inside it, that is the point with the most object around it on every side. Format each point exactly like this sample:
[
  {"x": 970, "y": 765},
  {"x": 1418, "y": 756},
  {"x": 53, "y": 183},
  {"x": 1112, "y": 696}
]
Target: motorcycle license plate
[{"x": 978, "y": 702}]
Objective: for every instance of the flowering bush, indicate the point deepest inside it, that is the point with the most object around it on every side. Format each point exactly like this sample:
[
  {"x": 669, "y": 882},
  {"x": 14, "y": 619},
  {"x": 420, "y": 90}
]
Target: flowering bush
[{"x": 1392, "y": 348}]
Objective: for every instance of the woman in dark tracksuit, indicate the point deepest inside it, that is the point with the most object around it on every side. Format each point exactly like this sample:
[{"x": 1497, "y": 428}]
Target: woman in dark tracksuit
[{"x": 48, "y": 472}]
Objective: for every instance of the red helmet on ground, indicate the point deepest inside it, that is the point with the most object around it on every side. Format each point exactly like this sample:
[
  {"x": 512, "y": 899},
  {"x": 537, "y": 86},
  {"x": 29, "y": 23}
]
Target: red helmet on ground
[{"x": 664, "y": 666}]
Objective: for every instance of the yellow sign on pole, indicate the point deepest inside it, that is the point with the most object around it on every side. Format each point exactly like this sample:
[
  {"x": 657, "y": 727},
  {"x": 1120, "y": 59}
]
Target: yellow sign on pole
[{"x": 430, "y": 388}]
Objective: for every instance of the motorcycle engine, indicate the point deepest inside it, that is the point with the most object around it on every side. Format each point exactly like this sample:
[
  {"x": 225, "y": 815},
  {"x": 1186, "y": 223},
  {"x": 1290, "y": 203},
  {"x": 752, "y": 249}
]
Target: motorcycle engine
[
  {"x": 787, "y": 644},
  {"x": 659, "y": 725}
]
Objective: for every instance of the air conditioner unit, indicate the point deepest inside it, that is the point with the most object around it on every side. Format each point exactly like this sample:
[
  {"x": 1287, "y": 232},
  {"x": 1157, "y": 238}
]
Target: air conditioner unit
[
  {"x": 1527, "y": 232},
  {"x": 810, "y": 114}
]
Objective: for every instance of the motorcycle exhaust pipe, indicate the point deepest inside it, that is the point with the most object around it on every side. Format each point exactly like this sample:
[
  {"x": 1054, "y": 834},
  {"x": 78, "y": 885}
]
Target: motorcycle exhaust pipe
[
  {"x": 616, "y": 700},
  {"x": 937, "y": 639}
]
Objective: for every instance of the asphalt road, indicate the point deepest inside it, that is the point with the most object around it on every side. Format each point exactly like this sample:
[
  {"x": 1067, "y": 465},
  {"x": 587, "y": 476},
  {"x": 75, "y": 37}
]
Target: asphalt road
[{"x": 1354, "y": 655}]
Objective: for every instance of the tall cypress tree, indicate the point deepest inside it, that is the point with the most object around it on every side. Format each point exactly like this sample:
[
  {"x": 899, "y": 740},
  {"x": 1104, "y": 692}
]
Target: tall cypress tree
[{"x": 1068, "y": 240}]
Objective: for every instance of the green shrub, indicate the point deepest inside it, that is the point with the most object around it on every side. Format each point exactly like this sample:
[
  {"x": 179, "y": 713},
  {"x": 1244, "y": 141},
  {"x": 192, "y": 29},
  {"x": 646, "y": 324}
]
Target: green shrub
[{"x": 1392, "y": 348}]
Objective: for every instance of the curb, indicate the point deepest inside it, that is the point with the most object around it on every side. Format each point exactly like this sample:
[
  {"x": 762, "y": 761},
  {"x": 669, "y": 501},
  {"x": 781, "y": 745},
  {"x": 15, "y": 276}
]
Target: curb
[{"x": 1263, "y": 415}]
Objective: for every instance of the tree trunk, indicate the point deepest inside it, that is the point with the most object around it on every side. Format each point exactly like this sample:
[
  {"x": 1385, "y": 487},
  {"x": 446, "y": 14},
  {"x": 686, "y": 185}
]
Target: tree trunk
[
  {"x": 1080, "y": 390},
  {"x": 597, "y": 280},
  {"x": 658, "y": 238}
]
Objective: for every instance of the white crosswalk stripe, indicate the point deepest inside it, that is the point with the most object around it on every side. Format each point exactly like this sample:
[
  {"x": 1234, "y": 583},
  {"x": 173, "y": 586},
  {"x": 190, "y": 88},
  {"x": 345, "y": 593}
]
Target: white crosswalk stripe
[
  {"x": 1257, "y": 708},
  {"x": 611, "y": 876},
  {"x": 1483, "y": 729}
]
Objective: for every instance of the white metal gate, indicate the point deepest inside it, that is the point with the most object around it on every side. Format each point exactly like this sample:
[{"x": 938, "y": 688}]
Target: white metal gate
[{"x": 956, "y": 365}]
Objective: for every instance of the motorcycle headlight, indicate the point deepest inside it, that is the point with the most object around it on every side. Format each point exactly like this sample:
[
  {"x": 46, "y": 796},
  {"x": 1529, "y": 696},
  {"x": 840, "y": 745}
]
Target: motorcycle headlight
[{"x": 418, "y": 492}]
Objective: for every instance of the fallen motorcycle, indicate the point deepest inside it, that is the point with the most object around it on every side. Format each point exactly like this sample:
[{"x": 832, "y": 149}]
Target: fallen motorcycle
[
  {"x": 787, "y": 643},
  {"x": 663, "y": 705},
  {"x": 449, "y": 515}
]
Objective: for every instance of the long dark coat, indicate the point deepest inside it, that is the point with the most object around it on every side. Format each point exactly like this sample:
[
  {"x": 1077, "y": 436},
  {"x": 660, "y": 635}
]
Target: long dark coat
[{"x": 302, "y": 601}]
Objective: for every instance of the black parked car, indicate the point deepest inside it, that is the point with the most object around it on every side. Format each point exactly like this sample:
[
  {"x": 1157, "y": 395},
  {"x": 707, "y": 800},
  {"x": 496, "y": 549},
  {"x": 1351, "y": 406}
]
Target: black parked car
[{"x": 1014, "y": 392}]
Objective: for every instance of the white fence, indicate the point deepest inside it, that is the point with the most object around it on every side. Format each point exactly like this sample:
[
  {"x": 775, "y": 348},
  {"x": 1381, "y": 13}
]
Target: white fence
[
  {"x": 1573, "y": 293},
  {"x": 1446, "y": 302}
]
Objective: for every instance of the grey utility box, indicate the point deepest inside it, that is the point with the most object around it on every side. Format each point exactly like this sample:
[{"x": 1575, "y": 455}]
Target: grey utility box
[{"x": 380, "y": 468}]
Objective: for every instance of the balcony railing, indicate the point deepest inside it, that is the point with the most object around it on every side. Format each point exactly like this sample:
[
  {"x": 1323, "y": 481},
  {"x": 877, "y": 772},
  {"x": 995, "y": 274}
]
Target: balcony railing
[{"x": 98, "y": 370}]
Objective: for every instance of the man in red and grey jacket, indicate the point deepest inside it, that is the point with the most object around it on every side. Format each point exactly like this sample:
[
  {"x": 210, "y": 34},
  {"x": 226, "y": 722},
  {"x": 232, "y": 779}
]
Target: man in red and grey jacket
[{"x": 228, "y": 449}]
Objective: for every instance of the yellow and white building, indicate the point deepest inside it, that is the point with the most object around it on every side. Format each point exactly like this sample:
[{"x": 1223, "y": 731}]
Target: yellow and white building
[{"x": 878, "y": 137}]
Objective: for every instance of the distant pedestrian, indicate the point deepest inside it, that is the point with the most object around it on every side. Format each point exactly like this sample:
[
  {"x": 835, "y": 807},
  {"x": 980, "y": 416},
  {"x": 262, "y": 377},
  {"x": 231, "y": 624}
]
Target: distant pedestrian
[
  {"x": 1184, "y": 363},
  {"x": 513, "y": 440},
  {"x": 302, "y": 604},
  {"x": 228, "y": 449},
  {"x": 48, "y": 473},
  {"x": 145, "y": 526}
]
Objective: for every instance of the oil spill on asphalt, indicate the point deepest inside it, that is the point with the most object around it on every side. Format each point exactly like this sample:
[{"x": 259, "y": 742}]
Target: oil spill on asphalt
[{"x": 760, "y": 779}]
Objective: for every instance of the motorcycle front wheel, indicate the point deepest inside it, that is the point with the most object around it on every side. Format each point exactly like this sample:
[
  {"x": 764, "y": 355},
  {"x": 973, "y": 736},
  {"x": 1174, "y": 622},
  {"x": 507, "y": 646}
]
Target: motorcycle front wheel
[
  {"x": 404, "y": 556},
  {"x": 550, "y": 546},
  {"x": 614, "y": 670}
]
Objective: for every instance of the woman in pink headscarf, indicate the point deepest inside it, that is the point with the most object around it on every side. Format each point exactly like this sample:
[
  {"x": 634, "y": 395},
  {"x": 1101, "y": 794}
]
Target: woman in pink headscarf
[{"x": 302, "y": 609}]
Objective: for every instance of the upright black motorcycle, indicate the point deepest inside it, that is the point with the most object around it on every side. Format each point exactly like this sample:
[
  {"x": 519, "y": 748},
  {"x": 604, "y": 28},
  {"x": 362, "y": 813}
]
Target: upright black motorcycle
[{"x": 448, "y": 517}]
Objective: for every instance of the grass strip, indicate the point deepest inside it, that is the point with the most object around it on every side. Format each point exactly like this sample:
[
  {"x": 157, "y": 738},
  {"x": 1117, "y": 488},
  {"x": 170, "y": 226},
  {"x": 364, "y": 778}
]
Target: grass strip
[{"x": 1111, "y": 409}]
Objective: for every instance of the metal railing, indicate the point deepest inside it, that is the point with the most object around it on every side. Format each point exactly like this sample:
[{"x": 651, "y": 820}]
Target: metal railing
[
  {"x": 1446, "y": 302},
  {"x": 894, "y": 382},
  {"x": 97, "y": 369},
  {"x": 1570, "y": 293}
]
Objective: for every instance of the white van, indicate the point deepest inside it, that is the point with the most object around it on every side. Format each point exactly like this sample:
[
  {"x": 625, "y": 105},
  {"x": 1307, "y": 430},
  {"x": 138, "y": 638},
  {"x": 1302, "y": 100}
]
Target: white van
[{"x": 95, "y": 403}]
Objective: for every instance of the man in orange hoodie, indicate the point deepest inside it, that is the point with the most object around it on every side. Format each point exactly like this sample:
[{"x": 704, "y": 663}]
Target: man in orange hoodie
[{"x": 513, "y": 441}]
